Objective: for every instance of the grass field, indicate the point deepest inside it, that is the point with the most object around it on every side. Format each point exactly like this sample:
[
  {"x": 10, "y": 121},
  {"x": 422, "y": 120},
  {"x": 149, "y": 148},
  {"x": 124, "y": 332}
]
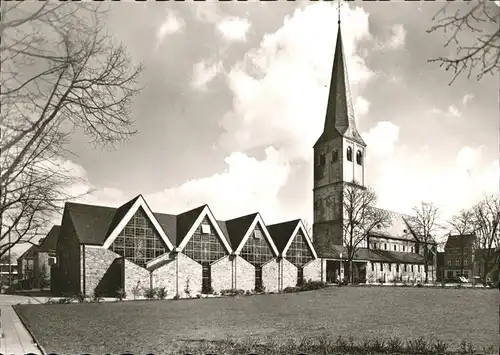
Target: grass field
[{"x": 452, "y": 315}]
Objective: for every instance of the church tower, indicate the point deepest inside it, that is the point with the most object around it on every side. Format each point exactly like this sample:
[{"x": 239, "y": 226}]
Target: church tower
[{"x": 338, "y": 156}]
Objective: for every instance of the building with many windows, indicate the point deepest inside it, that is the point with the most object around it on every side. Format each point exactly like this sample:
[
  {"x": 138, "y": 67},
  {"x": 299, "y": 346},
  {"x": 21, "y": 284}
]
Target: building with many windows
[
  {"x": 103, "y": 249},
  {"x": 458, "y": 256}
]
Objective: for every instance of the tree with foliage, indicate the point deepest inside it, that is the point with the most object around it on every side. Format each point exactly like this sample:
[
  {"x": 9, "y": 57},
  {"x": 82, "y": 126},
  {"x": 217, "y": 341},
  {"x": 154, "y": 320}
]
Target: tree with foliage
[
  {"x": 486, "y": 215},
  {"x": 422, "y": 226},
  {"x": 360, "y": 218},
  {"x": 61, "y": 74},
  {"x": 462, "y": 224},
  {"x": 481, "y": 18}
]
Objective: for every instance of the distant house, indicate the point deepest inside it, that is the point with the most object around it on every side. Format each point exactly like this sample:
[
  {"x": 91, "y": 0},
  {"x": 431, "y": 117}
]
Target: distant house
[
  {"x": 37, "y": 260},
  {"x": 458, "y": 256}
]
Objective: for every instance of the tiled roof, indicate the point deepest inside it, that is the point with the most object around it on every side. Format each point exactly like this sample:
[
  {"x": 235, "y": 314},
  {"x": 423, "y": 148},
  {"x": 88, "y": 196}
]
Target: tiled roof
[
  {"x": 168, "y": 222},
  {"x": 281, "y": 233},
  {"x": 50, "y": 241},
  {"x": 238, "y": 227},
  {"x": 120, "y": 213},
  {"x": 397, "y": 227},
  {"x": 455, "y": 241},
  {"x": 91, "y": 222}
]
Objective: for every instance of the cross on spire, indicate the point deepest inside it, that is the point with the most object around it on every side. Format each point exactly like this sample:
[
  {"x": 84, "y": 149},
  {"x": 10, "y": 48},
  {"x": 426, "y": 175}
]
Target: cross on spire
[{"x": 339, "y": 4}]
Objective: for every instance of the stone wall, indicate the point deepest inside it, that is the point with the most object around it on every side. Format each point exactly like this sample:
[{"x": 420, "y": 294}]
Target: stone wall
[
  {"x": 189, "y": 269},
  {"x": 97, "y": 263},
  {"x": 166, "y": 276},
  {"x": 288, "y": 274},
  {"x": 135, "y": 277},
  {"x": 221, "y": 274},
  {"x": 312, "y": 270},
  {"x": 245, "y": 275},
  {"x": 270, "y": 275}
]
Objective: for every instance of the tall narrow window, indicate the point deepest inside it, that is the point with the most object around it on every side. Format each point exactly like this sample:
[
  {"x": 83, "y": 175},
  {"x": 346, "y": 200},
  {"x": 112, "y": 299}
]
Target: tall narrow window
[
  {"x": 258, "y": 279},
  {"x": 385, "y": 246},
  {"x": 412, "y": 268},
  {"x": 300, "y": 276},
  {"x": 397, "y": 267},
  {"x": 373, "y": 267},
  {"x": 349, "y": 153},
  {"x": 406, "y": 269},
  {"x": 335, "y": 155},
  {"x": 390, "y": 266},
  {"x": 321, "y": 159},
  {"x": 381, "y": 267},
  {"x": 395, "y": 247},
  {"x": 359, "y": 157}
]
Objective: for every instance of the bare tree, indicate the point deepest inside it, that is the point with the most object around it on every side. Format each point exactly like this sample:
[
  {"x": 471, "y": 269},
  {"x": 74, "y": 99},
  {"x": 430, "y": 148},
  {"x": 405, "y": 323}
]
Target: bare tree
[
  {"x": 61, "y": 73},
  {"x": 308, "y": 228},
  {"x": 360, "y": 218},
  {"x": 422, "y": 226},
  {"x": 462, "y": 224},
  {"x": 486, "y": 224},
  {"x": 482, "y": 20}
]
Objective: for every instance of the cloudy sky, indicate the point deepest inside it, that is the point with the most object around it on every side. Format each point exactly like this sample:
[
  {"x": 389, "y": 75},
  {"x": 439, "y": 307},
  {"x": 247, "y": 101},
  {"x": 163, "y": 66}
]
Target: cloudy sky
[{"x": 235, "y": 96}]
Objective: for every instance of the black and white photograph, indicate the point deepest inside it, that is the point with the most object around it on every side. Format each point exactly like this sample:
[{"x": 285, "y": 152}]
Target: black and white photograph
[{"x": 250, "y": 177}]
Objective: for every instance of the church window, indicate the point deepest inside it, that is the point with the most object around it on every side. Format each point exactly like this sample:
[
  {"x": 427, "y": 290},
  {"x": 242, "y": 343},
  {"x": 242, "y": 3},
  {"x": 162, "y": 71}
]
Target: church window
[
  {"x": 205, "y": 247},
  {"x": 385, "y": 246},
  {"x": 406, "y": 269},
  {"x": 321, "y": 159},
  {"x": 395, "y": 247},
  {"x": 397, "y": 267},
  {"x": 349, "y": 153},
  {"x": 335, "y": 155},
  {"x": 299, "y": 253},
  {"x": 389, "y": 266},
  {"x": 412, "y": 249},
  {"x": 139, "y": 241},
  {"x": 257, "y": 250},
  {"x": 381, "y": 267},
  {"x": 412, "y": 268},
  {"x": 359, "y": 157},
  {"x": 373, "y": 266},
  {"x": 404, "y": 248}
]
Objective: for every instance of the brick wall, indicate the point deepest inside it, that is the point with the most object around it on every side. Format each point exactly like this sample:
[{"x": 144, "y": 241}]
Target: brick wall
[
  {"x": 288, "y": 274},
  {"x": 221, "y": 274},
  {"x": 270, "y": 274},
  {"x": 312, "y": 270},
  {"x": 189, "y": 269},
  {"x": 165, "y": 276},
  {"x": 245, "y": 275},
  {"x": 97, "y": 263},
  {"x": 134, "y": 276}
]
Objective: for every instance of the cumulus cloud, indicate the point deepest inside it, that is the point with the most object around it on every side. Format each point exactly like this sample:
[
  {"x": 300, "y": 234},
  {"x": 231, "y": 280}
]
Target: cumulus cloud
[
  {"x": 247, "y": 185},
  {"x": 172, "y": 23},
  {"x": 396, "y": 40},
  {"x": 361, "y": 106},
  {"x": 203, "y": 73},
  {"x": 467, "y": 98},
  {"x": 452, "y": 109},
  {"x": 280, "y": 90},
  {"x": 234, "y": 28},
  {"x": 381, "y": 139}
]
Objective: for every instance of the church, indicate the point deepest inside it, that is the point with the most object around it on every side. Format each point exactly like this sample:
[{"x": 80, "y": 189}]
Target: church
[
  {"x": 390, "y": 253},
  {"x": 103, "y": 249}
]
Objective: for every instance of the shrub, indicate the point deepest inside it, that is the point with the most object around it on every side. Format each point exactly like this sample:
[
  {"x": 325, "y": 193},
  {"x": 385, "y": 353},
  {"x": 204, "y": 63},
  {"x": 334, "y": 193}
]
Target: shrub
[
  {"x": 176, "y": 297},
  {"x": 96, "y": 297},
  {"x": 248, "y": 293},
  {"x": 187, "y": 289},
  {"x": 232, "y": 292},
  {"x": 380, "y": 280},
  {"x": 121, "y": 294},
  {"x": 198, "y": 295},
  {"x": 161, "y": 293},
  {"x": 150, "y": 293},
  {"x": 312, "y": 285},
  {"x": 260, "y": 288},
  {"x": 136, "y": 291},
  {"x": 419, "y": 284},
  {"x": 291, "y": 289},
  {"x": 79, "y": 297}
]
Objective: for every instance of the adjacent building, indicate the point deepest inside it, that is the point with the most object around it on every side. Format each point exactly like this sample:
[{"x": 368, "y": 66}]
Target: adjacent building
[{"x": 458, "y": 256}]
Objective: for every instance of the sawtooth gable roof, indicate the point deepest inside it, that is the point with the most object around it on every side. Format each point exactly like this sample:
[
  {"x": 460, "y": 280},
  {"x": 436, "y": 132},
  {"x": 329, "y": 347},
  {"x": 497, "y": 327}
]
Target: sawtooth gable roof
[
  {"x": 185, "y": 221},
  {"x": 238, "y": 227},
  {"x": 282, "y": 232}
]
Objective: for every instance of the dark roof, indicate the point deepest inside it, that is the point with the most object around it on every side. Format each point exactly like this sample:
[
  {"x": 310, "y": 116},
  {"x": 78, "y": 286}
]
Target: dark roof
[
  {"x": 238, "y": 227},
  {"x": 168, "y": 222},
  {"x": 50, "y": 241},
  {"x": 120, "y": 213},
  {"x": 185, "y": 221},
  {"x": 455, "y": 241},
  {"x": 374, "y": 255},
  {"x": 281, "y": 233},
  {"x": 222, "y": 226},
  {"x": 339, "y": 121},
  {"x": 91, "y": 222}
]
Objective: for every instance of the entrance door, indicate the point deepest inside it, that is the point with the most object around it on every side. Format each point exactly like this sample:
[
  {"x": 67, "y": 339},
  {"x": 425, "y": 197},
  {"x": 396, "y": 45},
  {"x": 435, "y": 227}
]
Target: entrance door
[
  {"x": 331, "y": 271},
  {"x": 206, "y": 286}
]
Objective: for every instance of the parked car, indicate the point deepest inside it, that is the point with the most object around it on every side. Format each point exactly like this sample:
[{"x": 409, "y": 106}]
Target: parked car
[{"x": 456, "y": 280}]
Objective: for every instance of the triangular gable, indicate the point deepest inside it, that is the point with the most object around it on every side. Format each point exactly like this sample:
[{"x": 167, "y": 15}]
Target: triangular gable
[
  {"x": 139, "y": 203},
  {"x": 205, "y": 212},
  {"x": 238, "y": 227},
  {"x": 300, "y": 227},
  {"x": 185, "y": 222},
  {"x": 281, "y": 232},
  {"x": 258, "y": 220}
]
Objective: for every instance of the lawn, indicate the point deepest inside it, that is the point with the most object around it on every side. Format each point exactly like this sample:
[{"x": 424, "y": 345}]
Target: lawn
[{"x": 452, "y": 315}]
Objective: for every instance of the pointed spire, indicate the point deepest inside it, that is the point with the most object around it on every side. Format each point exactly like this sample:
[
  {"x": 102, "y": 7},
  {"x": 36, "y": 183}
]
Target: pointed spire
[{"x": 339, "y": 119}]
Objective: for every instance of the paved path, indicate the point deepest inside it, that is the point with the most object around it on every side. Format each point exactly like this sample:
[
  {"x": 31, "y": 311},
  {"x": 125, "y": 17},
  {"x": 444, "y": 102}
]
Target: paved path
[{"x": 16, "y": 339}]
